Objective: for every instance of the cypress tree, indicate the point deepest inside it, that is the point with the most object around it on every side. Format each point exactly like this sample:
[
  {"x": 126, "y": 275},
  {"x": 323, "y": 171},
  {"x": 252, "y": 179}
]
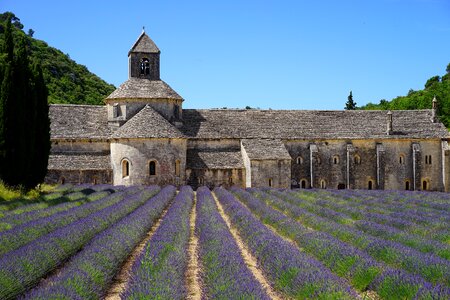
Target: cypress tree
[
  {"x": 24, "y": 123},
  {"x": 350, "y": 104},
  {"x": 41, "y": 127}
]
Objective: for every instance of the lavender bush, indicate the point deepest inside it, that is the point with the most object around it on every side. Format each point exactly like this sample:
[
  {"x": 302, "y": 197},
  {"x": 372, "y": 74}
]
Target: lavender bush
[
  {"x": 158, "y": 273},
  {"x": 223, "y": 272},
  {"x": 431, "y": 267},
  {"x": 88, "y": 274},
  {"x": 293, "y": 272},
  {"x": 22, "y": 268},
  {"x": 27, "y": 232}
]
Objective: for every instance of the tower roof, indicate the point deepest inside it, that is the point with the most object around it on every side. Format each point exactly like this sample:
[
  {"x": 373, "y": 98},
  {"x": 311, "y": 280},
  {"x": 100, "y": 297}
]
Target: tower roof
[{"x": 144, "y": 44}]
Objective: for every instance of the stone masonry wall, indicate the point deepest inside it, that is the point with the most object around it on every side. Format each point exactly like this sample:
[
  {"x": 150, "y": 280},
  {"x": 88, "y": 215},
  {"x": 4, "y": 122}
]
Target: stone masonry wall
[{"x": 140, "y": 152}]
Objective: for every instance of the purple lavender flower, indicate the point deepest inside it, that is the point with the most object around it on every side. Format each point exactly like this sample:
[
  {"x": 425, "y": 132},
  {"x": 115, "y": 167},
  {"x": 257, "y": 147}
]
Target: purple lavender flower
[
  {"x": 224, "y": 273},
  {"x": 88, "y": 273},
  {"x": 158, "y": 273}
]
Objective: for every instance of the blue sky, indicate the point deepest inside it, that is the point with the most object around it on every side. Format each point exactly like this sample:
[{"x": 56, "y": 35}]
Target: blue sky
[{"x": 275, "y": 54}]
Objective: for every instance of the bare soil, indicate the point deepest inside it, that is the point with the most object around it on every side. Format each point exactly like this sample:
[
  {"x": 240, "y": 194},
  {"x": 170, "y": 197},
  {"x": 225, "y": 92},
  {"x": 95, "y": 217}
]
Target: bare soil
[
  {"x": 121, "y": 280},
  {"x": 192, "y": 273},
  {"x": 249, "y": 259}
]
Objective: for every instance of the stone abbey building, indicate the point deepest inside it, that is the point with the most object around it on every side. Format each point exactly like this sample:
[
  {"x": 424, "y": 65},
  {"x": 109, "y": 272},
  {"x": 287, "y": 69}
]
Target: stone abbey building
[{"x": 144, "y": 136}]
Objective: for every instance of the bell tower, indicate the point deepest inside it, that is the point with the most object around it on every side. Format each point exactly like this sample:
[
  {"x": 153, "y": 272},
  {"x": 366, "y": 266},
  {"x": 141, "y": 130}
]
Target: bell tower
[
  {"x": 143, "y": 59},
  {"x": 144, "y": 87}
]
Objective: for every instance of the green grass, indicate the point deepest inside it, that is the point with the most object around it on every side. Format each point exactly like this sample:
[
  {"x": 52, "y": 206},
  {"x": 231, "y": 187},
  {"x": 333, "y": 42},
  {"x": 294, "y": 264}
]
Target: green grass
[{"x": 11, "y": 198}]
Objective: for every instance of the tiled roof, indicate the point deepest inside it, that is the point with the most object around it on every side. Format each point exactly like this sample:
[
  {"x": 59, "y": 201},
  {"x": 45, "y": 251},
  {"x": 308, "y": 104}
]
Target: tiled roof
[
  {"x": 141, "y": 88},
  {"x": 79, "y": 122},
  {"x": 309, "y": 124},
  {"x": 147, "y": 123},
  {"x": 213, "y": 159},
  {"x": 265, "y": 149},
  {"x": 144, "y": 44},
  {"x": 83, "y": 161}
]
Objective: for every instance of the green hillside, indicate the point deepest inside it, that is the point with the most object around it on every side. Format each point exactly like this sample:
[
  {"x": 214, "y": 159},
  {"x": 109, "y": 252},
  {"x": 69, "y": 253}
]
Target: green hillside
[
  {"x": 438, "y": 86},
  {"x": 67, "y": 81}
]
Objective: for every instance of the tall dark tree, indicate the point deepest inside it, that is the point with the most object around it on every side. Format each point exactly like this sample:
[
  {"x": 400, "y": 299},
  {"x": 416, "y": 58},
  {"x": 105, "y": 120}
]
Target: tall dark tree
[
  {"x": 350, "y": 104},
  {"x": 24, "y": 123}
]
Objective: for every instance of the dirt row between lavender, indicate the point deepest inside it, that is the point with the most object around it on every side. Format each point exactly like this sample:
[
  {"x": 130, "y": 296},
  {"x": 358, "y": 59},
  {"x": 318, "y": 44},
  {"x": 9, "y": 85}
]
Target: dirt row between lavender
[
  {"x": 192, "y": 273},
  {"x": 249, "y": 259},
  {"x": 122, "y": 278}
]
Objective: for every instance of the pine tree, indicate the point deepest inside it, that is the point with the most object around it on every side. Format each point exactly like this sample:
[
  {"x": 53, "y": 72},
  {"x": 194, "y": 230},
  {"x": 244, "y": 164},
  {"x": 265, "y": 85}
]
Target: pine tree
[{"x": 350, "y": 104}]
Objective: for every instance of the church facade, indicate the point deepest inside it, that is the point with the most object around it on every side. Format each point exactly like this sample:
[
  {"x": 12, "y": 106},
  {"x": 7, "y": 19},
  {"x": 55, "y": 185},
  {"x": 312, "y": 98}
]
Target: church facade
[{"x": 143, "y": 136}]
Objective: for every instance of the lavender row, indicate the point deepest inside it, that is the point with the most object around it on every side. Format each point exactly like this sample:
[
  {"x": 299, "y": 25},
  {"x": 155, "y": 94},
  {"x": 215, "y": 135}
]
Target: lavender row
[
  {"x": 372, "y": 224},
  {"x": 27, "y": 232},
  {"x": 158, "y": 273},
  {"x": 394, "y": 201},
  {"x": 10, "y": 221},
  {"x": 88, "y": 274},
  {"x": 393, "y": 234},
  {"x": 22, "y": 268},
  {"x": 291, "y": 271},
  {"x": 431, "y": 267},
  {"x": 345, "y": 260},
  {"x": 224, "y": 273}
]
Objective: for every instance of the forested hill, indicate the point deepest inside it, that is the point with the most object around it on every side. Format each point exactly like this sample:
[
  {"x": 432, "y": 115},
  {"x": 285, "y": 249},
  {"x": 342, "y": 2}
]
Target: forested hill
[
  {"x": 438, "y": 86},
  {"x": 67, "y": 81}
]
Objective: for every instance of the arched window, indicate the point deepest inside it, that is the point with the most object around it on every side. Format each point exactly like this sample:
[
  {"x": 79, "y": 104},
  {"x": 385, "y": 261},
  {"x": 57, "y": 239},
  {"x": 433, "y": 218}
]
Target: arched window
[
  {"x": 145, "y": 66},
  {"x": 201, "y": 181},
  {"x": 401, "y": 159},
  {"x": 177, "y": 167},
  {"x": 125, "y": 168},
  {"x": 303, "y": 183},
  {"x": 230, "y": 180},
  {"x": 425, "y": 185},
  {"x": 407, "y": 185},
  {"x": 428, "y": 159},
  {"x": 323, "y": 184},
  {"x": 336, "y": 159},
  {"x": 370, "y": 185},
  {"x": 357, "y": 159},
  {"x": 270, "y": 182},
  {"x": 152, "y": 168},
  {"x": 299, "y": 160}
]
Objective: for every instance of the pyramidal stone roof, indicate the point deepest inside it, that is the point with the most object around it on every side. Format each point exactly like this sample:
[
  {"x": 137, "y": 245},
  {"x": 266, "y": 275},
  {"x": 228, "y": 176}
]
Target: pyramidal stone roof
[
  {"x": 138, "y": 88},
  {"x": 147, "y": 123},
  {"x": 144, "y": 44}
]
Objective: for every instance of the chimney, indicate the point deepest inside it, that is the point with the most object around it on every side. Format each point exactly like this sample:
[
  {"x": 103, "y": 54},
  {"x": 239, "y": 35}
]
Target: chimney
[
  {"x": 434, "y": 110},
  {"x": 389, "y": 123}
]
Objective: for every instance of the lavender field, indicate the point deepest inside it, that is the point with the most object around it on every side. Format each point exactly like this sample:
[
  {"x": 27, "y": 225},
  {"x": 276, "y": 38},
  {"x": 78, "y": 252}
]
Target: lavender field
[{"x": 115, "y": 242}]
